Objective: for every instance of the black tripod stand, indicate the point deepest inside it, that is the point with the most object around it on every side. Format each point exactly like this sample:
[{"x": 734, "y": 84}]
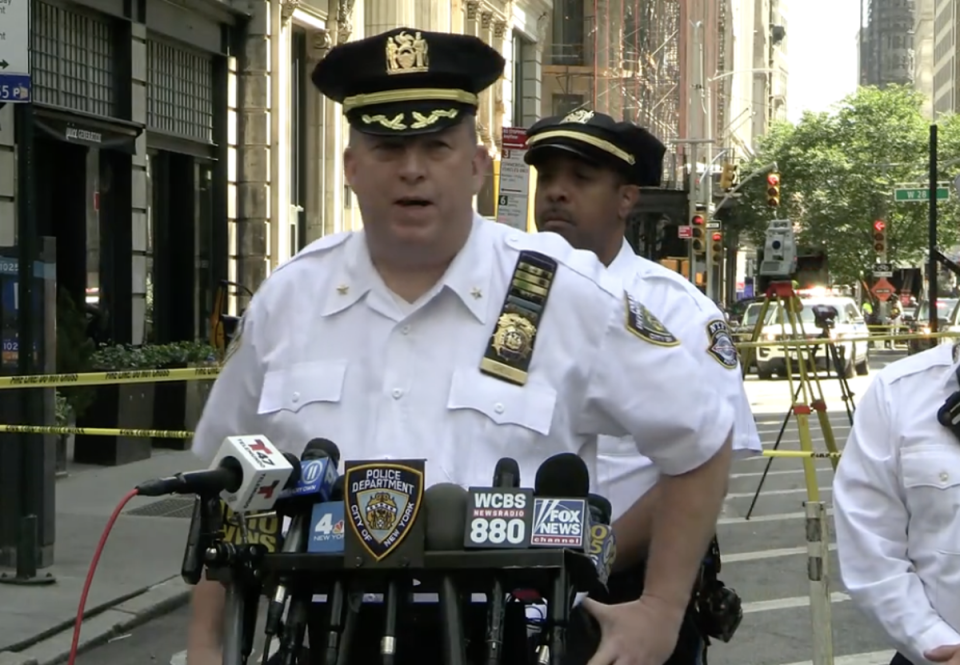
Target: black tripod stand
[{"x": 835, "y": 359}]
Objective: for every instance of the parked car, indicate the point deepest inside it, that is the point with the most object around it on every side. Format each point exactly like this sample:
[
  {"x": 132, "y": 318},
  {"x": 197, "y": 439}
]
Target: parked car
[
  {"x": 947, "y": 317},
  {"x": 849, "y": 323}
]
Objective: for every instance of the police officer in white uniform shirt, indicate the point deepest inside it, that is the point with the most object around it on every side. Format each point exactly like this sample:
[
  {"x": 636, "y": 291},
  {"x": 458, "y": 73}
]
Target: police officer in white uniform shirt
[
  {"x": 895, "y": 498},
  {"x": 436, "y": 334},
  {"x": 589, "y": 170}
]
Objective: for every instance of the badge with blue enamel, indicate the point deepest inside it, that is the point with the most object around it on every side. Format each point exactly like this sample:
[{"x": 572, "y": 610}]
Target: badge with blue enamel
[{"x": 721, "y": 347}]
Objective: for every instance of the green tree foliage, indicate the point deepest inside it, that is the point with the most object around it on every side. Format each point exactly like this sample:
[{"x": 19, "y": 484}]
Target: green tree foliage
[{"x": 838, "y": 171}]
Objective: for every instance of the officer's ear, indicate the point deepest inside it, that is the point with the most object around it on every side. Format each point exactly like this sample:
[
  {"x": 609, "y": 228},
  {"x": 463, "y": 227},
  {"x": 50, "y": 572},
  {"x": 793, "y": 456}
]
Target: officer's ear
[{"x": 629, "y": 195}]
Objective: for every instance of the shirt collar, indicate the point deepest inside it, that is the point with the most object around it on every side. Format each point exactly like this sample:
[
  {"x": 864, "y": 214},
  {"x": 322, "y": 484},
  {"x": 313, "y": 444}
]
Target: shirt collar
[
  {"x": 622, "y": 266},
  {"x": 468, "y": 276},
  {"x": 951, "y": 355}
]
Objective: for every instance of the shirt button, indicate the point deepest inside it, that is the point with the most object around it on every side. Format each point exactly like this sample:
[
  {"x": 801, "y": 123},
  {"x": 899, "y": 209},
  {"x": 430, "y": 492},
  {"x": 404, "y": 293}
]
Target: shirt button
[
  {"x": 498, "y": 407},
  {"x": 397, "y": 393},
  {"x": 944, "y": 476},
  {"x": 405, "y": 330},
  {"x": 296, "y": 397}
]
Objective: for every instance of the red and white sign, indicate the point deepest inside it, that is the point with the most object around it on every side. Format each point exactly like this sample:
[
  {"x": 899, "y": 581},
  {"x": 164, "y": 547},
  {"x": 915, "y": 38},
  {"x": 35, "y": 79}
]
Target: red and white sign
[
  {"x": 882, "y": 289},
  {"x": 513, "y": 195},
  {"x": 685, "y": 232}
]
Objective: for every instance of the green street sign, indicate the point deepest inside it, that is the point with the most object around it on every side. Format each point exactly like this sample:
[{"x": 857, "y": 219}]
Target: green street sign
[{"x": 919, "y": 194}]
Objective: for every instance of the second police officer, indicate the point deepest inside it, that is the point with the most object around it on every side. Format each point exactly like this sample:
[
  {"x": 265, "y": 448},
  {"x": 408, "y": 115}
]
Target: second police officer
[{"x": 589, "y": 170}]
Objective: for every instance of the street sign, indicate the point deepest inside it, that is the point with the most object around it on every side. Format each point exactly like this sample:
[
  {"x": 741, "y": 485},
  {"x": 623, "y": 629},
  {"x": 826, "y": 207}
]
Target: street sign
[
  {"x": 883, "y": 270},
  {"x": 685, "y": 232},
  {"x": 713, "y": 225},
  {"x": 15, "y": 51},
  {"x": 882, "y": 289},
  {"x": 919, "y": 194}
]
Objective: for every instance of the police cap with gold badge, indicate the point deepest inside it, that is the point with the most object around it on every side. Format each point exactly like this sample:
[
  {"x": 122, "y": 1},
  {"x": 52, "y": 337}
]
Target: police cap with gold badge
[
  {"x": 598, "y": 138},
  {"x": 406, "y": 81}
]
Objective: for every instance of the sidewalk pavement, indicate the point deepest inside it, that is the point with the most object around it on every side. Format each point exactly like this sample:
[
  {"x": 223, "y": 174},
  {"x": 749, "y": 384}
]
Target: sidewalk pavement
[{"x": 138, "y": 576}]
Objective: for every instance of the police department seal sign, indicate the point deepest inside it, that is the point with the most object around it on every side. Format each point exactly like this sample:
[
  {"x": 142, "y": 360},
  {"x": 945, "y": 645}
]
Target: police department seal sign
[
  {"x": 642, "y": 323},
  {"x": 722, "y": 349},
  {"x": 383, "y": 500}
]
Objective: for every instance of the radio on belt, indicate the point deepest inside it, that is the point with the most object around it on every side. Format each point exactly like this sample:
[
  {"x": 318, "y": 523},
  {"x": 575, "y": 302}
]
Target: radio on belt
[{"x": 498, "y": 518}]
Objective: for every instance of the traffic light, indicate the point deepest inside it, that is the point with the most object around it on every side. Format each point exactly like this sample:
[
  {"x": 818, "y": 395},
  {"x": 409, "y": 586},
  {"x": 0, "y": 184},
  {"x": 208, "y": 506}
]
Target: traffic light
[
  {"x": 880, "y": 236},
  {"x": 716, "y": 246},
  {"x": 699, "y": 228},
  {"x": 773, "y": 190},
  {"x": 728, "y": 176}
]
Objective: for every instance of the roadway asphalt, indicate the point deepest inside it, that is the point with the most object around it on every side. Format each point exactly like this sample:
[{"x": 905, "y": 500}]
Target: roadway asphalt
[{"x": 764, "y": 557}]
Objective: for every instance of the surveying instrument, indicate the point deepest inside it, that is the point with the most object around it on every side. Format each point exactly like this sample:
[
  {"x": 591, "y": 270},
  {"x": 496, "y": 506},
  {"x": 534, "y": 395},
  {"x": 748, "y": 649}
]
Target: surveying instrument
[{"x": 779, "y": 263}]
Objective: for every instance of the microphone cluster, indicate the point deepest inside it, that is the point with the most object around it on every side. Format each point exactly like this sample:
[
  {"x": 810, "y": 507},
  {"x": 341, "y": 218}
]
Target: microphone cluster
[{"x": 378, "y": 530}]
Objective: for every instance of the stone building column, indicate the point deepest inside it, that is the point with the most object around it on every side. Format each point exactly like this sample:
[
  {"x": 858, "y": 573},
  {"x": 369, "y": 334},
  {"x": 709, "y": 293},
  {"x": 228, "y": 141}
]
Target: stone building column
[
  {"x": 138, "y": 183},
  {"x": 485, "y": 112},
  {"x": 253, "y": 177},
  {"x": 503, "y": 90},
  {"x": 382, "y": 15},
  {"x": 471, "y": 24},
  {"x": 435, "y": 15}
]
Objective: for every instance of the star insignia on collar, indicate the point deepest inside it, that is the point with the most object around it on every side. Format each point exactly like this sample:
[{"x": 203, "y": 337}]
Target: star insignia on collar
[
  {"x": 476, "y": 293},
  {"x": 342, "y": 289}
]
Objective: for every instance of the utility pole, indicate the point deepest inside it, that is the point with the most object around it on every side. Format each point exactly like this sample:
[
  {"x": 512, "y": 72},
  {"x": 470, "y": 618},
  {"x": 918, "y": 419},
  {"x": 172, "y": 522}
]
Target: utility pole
[
  {"x": 695, "y": 137},
  {"x": 708, "y": 168}
]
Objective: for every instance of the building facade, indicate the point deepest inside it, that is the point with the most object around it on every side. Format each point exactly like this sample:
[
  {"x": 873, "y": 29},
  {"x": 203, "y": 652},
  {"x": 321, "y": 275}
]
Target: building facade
[
  {"x": 175, "y": 145},
  {"x": 886, "y": 42}
]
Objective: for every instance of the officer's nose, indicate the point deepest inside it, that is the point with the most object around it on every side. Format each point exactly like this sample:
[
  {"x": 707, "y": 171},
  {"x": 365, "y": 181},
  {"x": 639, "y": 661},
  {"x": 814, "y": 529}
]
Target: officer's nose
[
  {"x": 413, "y": 165},
  {"x": 556, "y": 190}
]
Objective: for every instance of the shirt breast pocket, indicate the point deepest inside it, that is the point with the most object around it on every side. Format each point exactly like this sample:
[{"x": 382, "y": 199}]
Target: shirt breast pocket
[
  {"x": 931, "y": 482},
  {"x": 498, "y": 419},
  {"x": 303, "y": 401}
]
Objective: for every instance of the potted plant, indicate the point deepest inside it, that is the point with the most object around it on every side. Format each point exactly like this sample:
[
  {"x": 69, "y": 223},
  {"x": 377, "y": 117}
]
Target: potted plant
[
  {"x": 120, "y": 406},
  {"x": 176, "y": 404},
  {"x": 74, "y": 352},
  {"x": 64, "y": 418}
]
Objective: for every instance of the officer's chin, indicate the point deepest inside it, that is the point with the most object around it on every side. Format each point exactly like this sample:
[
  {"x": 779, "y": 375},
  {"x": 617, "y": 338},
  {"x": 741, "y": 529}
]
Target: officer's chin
[{"x": 558, "y": 226}]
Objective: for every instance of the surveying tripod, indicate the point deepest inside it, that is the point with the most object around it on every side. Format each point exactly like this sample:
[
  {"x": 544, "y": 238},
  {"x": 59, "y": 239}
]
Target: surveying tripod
[{"x": 808, "y": 394}]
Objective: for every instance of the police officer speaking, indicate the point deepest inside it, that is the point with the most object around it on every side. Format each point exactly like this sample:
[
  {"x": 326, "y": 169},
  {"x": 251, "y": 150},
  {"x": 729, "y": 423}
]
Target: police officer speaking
[
  {"x": 589, "y": 168},
  {"x": 435, "y": 334}
]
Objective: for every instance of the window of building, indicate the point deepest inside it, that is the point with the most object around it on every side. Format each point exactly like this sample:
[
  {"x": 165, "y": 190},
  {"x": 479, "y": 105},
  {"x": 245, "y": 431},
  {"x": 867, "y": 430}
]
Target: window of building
[
  {"x": 564, "y": 104},
  {"x": 519, "y": 87},
  {"x": 568, "y": 33}
]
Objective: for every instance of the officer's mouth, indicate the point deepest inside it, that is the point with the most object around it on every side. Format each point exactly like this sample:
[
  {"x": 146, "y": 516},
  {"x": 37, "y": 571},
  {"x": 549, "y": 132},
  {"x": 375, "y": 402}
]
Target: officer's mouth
[
  {"x": 556, "y": 225},
  {"x": 413, "y": 203}
]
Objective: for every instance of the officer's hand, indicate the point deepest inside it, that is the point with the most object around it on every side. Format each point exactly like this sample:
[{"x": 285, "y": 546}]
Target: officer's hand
[
  {"x": 945, "y": 654},
  {"x": 642, "y": 632}
]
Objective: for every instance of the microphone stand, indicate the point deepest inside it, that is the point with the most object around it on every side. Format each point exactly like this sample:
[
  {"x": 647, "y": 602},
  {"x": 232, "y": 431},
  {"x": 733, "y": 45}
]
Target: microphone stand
[
  {"x": 558, "y": 614},
  {"x": 233, "y": 621}
]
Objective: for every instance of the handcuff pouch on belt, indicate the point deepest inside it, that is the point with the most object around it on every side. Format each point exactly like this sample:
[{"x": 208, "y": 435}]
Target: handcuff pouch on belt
[
  {"x": 510, "y": 348},
  {"x": 719, "y": 609}
]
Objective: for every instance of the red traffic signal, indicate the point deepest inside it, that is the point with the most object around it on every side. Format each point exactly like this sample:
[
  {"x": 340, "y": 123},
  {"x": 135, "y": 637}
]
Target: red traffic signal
[
  {"x": 773, "y": 190},
  {"x": 879, "y": 226},
  {"x": 697, "y": 220},
  {"x": 717, "y": 237}
]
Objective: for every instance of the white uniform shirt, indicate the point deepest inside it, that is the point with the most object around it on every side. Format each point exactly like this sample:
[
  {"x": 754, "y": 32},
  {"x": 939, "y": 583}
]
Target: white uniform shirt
[
  {"x": 327, "y": 351},
  {"x": 624, "y": 475},
  {"x": 895, "y": 498}
]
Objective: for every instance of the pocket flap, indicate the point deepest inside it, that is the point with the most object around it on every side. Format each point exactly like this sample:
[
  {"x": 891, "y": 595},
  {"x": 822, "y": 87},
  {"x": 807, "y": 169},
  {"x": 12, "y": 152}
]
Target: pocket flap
[
  {"x": 290, "y": 388},
  {"x": 930, "y": 467},
  {"x": 530, "y": 406}
]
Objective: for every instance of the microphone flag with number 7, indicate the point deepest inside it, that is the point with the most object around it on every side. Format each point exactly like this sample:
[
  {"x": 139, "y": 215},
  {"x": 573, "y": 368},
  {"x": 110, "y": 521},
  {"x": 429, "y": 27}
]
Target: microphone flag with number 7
[{"x": 498, "y": 518}]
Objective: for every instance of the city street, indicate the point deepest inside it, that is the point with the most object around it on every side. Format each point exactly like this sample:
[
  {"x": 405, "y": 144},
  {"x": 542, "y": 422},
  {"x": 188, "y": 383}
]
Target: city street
[{"x": 764, "y": 558}]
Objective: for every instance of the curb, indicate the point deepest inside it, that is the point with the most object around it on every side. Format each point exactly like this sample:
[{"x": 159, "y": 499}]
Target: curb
[{"x": 111, "y": 621}]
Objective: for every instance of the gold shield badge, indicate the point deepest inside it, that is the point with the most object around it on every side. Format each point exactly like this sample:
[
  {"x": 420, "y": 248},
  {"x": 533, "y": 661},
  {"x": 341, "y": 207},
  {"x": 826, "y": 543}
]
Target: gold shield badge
[
  {"x": 513, "y": 338},
  {"x": 407, "y": 54}
]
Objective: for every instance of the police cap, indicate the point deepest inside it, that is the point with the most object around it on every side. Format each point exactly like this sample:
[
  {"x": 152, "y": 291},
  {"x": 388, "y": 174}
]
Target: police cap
[
  {"x": 598, "y": 138},
  {"x": 405, "y": 82}
]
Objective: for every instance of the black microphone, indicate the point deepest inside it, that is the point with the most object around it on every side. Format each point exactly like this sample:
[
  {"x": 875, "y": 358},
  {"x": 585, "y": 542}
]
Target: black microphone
[
  {"x": 601, "y": 511},
  {"x": 506, "y": 474},
  {"x": 337, "y": 598},
  {"x": 560, "y": 521},
  {"x": 446, "y": 508},
  {"x": 602, "y": 548},
  {"x": 226, "y": 476},
  {"x": 295, "y": 542}
]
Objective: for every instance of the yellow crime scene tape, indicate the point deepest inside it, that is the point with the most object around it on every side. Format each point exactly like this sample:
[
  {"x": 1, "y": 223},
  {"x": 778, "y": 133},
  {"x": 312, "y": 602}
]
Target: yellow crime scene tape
[
  {"x": 802, "y": 454},
  {"x": 109, "y": 378}
]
